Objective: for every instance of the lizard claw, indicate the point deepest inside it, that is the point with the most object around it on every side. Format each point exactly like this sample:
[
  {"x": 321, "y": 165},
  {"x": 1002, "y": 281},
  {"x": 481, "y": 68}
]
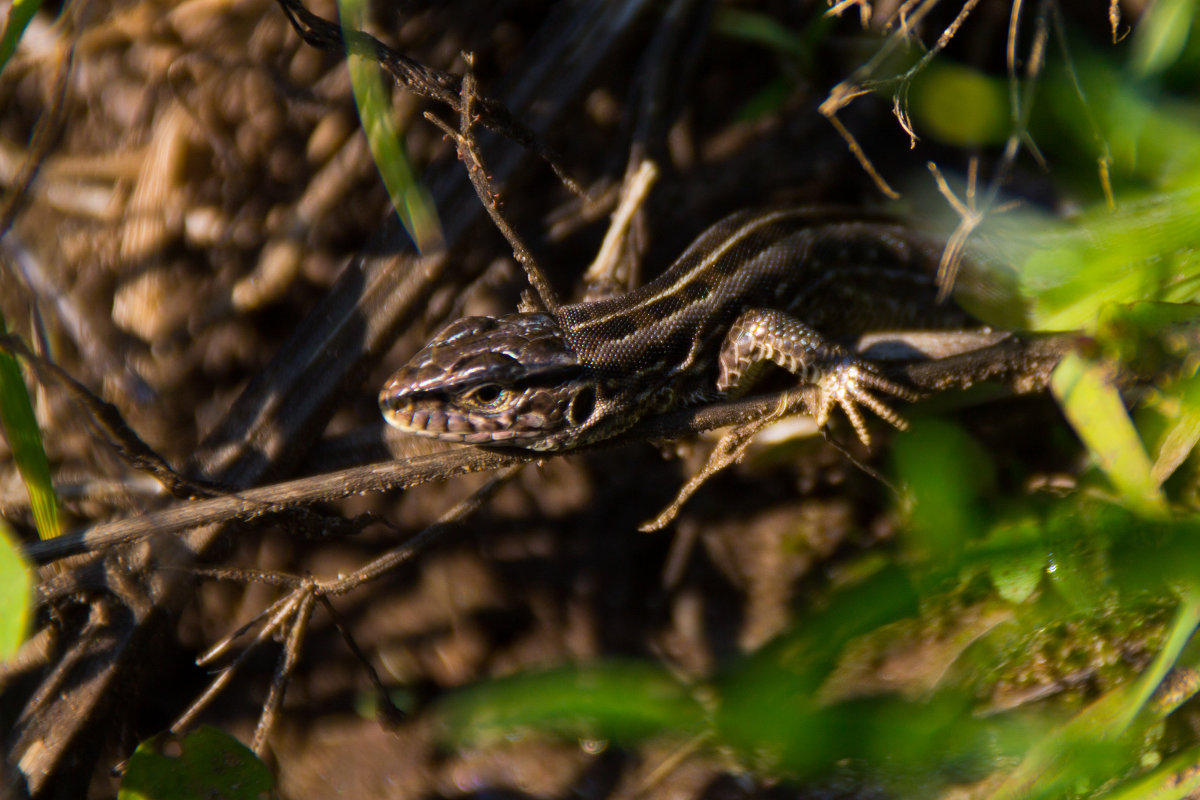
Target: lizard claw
[{"x": 848, "y": 385}]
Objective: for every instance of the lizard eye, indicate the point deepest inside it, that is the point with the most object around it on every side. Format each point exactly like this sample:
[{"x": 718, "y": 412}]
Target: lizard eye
[{"x": 485, "y": 396}]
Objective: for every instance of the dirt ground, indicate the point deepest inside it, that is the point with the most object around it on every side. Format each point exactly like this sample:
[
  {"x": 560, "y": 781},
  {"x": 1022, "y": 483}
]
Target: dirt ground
[{"x": 202, "y": 185}]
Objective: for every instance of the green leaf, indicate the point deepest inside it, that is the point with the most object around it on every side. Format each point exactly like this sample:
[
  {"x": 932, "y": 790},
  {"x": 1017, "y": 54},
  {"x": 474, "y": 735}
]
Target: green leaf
[
  {"x": 1094, "y": 408},
  {"x": 945, "y": 471},
  {"x": 205, "y": 765},
  {"x": 1175, "y": 779},
  {"x": 1183, "y": 432},
  {"x": 16, "y": 593},
  {"x": 20, "y": 428},
  {"x": 960, "y": 106},
  {"x": 613, "y": 700},
  {"x": 1017, "y": 558},
  {"x": 895, "y": 738},
  {"x": 760, "y": 29},
  {"x": 410, "y": 198},
  {"x": 1077, "y": 547},
  {"x": 1161, "y": 35},
  {"x": 1070, "y": 272},
  {"x": 768, "y": 707},
  {"x": 19, "y": 15}
]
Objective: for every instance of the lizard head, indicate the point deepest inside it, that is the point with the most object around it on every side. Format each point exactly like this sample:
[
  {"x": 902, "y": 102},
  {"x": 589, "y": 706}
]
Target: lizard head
[{"x": 511, "y": 380}]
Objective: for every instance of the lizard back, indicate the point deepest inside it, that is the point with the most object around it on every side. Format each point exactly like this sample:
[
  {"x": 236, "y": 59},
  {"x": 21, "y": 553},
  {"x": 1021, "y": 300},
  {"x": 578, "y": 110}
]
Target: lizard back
[{"x": 840, "y": 275}]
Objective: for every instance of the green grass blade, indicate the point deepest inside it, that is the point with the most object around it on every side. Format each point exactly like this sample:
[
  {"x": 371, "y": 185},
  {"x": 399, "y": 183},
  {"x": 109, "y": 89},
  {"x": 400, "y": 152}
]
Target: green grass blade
[
  {"x": 19, "y": 15},
  {"x": 1093, "y": 406},
  {"x": 1161, "y": 35},
  {"x": 1174, "y": 779},
  {"x": 761, "y": 29},
  {"x": 410, "y": 198},
  {"x": 20, "y": 428},
  {"x": 16, "y": 593},
  {"x": 1183, "y": 434}
]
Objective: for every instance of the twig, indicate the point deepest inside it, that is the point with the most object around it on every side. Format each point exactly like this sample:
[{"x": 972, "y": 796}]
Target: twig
[
  {"x": 829, "y": 110},
  {"x": 283, "y": 409},
  {"x": 860, "y": 83},
  {"x": 729, "y": 450},
  {"x": 283, "y": 672},
  {"x": 971, "y": 213},
  {"x": 298, "y": 604},
  {"x": 468, "y": 152},
  {"x": 633, "y": 195},
  {"x": 445, "y": 87},
  {"x": 388, "y": 709},
  {"x": 106, "y": 423},
  {"x": 279, "y": 611},
  {"x": 1104, "y": 160}
]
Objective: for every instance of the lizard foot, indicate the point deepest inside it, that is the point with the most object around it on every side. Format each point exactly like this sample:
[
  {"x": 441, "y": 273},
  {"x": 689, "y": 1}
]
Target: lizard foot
[{"x": 849, "y": 384}]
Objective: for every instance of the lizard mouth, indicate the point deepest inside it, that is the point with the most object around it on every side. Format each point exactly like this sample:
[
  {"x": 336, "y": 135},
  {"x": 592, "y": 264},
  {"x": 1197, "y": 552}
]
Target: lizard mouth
[
  {"x": 522, "y": 422},
  {"x": 431, "y": 416}
]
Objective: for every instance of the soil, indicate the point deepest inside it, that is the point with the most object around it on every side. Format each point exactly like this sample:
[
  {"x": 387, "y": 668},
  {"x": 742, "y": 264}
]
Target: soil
[{"x": 203, "y": 183}]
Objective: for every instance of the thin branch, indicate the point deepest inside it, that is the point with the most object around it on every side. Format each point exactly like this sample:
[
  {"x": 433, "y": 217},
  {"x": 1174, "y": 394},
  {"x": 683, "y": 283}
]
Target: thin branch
[
  {"x": 279, "y": 612},
  {"x": 388, "y": 710},
  {"x": 283, "y": 673},
  {"x": 445, "y": 87},
  {"x": 859, "y": 154},
  {"x": 634, "y": 192},
  {"x": 1023, "y": 365},
  {"x": 468, "y": 153},
  {"x": 275, "y": 614},
  {"x": 971, "y": 213},
  {"x": 298, "y": 605},
  {"x": 1114, "y": 21},
  {"x": 406, "y": 551},
  {"x": 106, "y": 424},
  {"x": 1104, "y": 159}
]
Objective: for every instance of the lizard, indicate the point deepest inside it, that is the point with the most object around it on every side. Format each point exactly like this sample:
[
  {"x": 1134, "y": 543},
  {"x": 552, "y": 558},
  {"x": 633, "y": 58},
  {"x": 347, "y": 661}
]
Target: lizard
[{"x": 792, "y": 286}]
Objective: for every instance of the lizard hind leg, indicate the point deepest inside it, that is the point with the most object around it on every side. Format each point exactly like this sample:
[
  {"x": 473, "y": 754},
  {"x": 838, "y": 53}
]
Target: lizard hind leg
[{"x": 840, "y": 377}]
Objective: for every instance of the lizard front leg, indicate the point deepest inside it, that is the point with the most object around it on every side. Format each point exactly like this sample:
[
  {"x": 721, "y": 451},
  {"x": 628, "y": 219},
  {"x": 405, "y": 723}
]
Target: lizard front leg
[{"x": 840, "y": 377}]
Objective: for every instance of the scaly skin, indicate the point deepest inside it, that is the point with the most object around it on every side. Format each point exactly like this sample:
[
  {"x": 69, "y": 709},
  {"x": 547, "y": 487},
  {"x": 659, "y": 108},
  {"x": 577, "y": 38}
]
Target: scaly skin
[{"x": 786, "y": 286}]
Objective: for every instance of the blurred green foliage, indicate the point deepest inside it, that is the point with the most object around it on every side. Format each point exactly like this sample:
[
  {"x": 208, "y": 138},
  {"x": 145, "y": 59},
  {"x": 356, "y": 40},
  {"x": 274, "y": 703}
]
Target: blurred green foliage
[
  {"x": 1076, "y": 578},
  {"x": 960, "y": 106},
  {"x": 16, "y": 593},
  {"x": 15, "y": 23},
  {"x": 20, "y": 429},
  {"x": 410, "y": 198},
  {"x": 205, "y": 764}
]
